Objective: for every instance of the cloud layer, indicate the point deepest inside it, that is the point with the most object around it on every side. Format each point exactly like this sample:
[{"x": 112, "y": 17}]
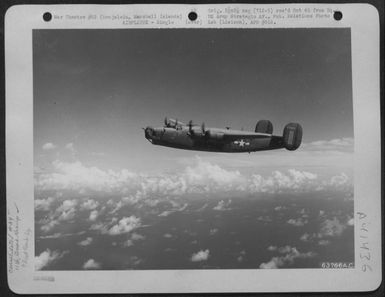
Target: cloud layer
[{"x": 202, "y": 178}]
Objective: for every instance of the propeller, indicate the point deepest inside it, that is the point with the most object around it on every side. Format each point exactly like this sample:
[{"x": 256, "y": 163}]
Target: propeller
[
  {"x": 190, "y": 125},
  {"x": 166, "y": 121},
  {"x": 203, "y": 128}
]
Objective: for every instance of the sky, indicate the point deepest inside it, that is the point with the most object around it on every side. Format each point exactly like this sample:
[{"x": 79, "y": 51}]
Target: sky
[
  {"x": 95, "y": 89},
  {"x": 105, "y": 198}
]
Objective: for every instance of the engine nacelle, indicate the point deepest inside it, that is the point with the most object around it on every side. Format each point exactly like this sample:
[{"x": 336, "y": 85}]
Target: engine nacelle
[
  {"x": 264, "y": 126},
  {"x": 214, "y": 135},
  {"x": 292, "y": 136},
  {"x": 196, "y": 131}
]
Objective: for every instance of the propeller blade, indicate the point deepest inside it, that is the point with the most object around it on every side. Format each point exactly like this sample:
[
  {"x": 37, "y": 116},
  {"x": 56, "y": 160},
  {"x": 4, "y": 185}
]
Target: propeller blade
[
  {"x": 203, "y": 128},
  {"x": 166, "y": 121}
]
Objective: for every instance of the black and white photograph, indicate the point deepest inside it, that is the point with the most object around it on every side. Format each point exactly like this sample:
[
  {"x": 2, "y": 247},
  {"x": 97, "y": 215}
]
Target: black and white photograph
[
  {"x": 221, "y": 148},
  {"x": 193, "y": 149}
]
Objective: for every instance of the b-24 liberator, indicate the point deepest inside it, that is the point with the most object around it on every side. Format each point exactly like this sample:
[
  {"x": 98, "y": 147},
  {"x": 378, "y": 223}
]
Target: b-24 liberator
[{"x": 191, "y": 136}]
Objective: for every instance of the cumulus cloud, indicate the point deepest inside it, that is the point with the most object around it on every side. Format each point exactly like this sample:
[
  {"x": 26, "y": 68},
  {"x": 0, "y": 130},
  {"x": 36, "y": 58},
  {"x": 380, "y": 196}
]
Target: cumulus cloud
[
  {"x": 202, "y": 177},
  {"x": 86, "y": 241},
  {"x": 91, "y": 264},
  {"x": 47, "y": 257},
  {"x": 48, "y": 146},
  {"x": 76, "y": 176},
  {"x": 67, "y": 215},
  {"x": 49, "y": 225},
  {"x": 44, "y": 204},
  {"x": 332, "y": 228},
  {"x": 324, "y": 242},
  {"x": 202, "y": 255},
  {"x": 67, "y": 205},
  {"x": 93, "y": 215},
  {"x": 176, "y": 208},
  {"x": 298, "y": 222},
  {"x": 329, "y": 228},
  {"x": 293, "y": 180},
  {"x": 125, "y": 225},
  {"x": 134, "y": 237},
  {"x": 222, "y": 205},
  {"x": 89, "y": 204},
  {"x": 289, "y": 254}
]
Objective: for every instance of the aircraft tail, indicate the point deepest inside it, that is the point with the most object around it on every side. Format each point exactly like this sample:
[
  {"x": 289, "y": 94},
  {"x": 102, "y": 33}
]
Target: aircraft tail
[
  {"x": 264, "y": 126},
  {"x": 292, "y": 136}
]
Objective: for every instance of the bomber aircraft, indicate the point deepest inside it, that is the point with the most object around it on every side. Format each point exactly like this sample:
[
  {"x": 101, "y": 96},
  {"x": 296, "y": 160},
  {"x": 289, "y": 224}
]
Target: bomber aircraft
[{"x": 191, "y": 136}]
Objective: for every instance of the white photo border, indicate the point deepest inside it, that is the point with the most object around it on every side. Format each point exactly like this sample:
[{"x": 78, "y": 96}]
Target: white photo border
[{"x": 362, "y": 19}]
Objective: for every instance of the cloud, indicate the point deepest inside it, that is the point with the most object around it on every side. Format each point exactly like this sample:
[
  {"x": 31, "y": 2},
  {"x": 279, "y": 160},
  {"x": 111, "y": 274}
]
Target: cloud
[
  {"x": 89, "y": 204},
  {"x": 136, "y": 236},
  {"x": 67, "y": 215},
  {"x": 48, "y": 146},
  {"x": 298, "y": 222},
  {"x": 76, "y": 176},
  {"x": 328, "y": 229},
  {"x": 125, "y": 225},
  {"x": 167, "y": 235},
  {"x": 86, "y": 241},
  {"x": 290, "y": 254},
  {"x": 204, "y": 173},
  {"x": 91, "y": 264},
  {"x": 44, "y": 204},
  {"x": 222, "y": 205},
  {"x": 306, "y": 237},
  {"x": 176, "y": 208},
  {"x": 200, "y": 178},
  {"x": 213, "y": 231},
  {"x": 338, "y": 144},
  {"x": 67, "y": 205},
  {"x": 278, "y": 182},
  {"x": 202, "y": 255},
  {"x": 47, "y": 257},
  {"x": 93, "y": 215},
  {"x": 324, "y": 242},
  {"x": 70, "y": 146},
  {"x": 332, "y": 228},
  {"x": 49, "y": 225}
]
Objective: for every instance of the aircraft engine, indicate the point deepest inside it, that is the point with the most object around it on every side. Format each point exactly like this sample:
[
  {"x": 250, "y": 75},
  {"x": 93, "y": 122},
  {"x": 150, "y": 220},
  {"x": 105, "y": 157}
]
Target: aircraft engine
[
  {"x": 292, "y": 136},
  {"x": 264, "y": 126}
]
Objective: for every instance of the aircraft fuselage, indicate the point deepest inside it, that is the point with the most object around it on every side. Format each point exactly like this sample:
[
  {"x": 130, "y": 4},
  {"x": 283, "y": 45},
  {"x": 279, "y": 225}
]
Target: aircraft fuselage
[{"x": 214, "y": 140}]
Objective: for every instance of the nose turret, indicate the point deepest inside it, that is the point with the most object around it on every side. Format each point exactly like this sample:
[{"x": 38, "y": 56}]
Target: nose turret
[{"x": 148, "y": 133}]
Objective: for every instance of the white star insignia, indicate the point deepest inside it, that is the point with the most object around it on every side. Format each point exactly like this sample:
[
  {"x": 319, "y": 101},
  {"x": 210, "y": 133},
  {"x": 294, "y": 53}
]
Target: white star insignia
[{"x": 241, "y": 143}]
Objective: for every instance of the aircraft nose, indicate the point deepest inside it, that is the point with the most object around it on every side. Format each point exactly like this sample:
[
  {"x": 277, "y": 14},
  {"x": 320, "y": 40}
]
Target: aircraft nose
[{"x": 148, "y": 132}]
